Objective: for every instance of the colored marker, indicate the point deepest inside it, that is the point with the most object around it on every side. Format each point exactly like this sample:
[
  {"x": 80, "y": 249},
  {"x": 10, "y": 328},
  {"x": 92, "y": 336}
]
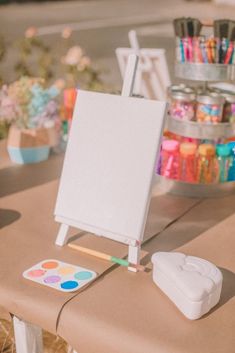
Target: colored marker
[{"x": 229, "y": 53}]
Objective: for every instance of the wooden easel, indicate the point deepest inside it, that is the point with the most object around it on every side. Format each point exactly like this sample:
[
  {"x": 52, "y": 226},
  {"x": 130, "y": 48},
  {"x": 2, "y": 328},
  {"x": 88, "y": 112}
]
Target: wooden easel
[
  {"x": 152, "y": 77},
  {"x": 127, "y": 90}
]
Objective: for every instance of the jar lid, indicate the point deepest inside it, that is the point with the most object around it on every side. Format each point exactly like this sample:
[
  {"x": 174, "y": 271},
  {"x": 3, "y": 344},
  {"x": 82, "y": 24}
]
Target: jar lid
[
  {"x": 231, "y": 145},
  {"x": 212, "y": 98},
  {"x": 177, "y": 87},
  {"x": 188, "y": 148},
  {"x": 230, "y": 98},
  {"x": 170, "y": 145},
  {"x": 183, "y": 95},
  {"x": 206, "y": 149},
  {"x": 189, "y": 90},
  {"x": 214, "y": 90},
  {"x": 223, "y": 150}
]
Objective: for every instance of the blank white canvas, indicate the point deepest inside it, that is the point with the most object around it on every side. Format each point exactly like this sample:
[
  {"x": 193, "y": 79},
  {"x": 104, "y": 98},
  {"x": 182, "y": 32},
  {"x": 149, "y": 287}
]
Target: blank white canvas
[{"x": 109, "y": 165}]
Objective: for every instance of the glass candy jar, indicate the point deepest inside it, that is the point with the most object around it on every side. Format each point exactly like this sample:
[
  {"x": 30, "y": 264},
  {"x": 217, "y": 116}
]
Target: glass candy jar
[
  {"x": 206, "y": 166},
  {"x": 188, "y": 162},
  {"x": 182, "y": 104},
  {"x": 231, "y": 173},
  {"x": 209, "y": 108},
  {"x": 229, "y": 108},
  {"x": 223, "y": 153},
  {"x": 170, "y": 159}
]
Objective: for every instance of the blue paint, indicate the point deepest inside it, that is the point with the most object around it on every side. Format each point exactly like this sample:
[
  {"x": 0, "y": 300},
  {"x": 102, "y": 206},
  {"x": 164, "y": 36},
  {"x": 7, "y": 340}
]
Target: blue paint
[
  {"x": 28, "y": 155},
  {"x": 69, "y": 285},
  {"x": 83, "y": 275}
]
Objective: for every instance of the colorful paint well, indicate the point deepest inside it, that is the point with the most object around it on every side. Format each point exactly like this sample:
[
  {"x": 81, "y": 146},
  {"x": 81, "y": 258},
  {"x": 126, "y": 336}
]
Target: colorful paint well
[
  {"x": 36, "y": 273},
  {"x": 52, "y": 279},
  {"x": 83, "y": 275},
  {"x": 50, "y": 265},
  {"x": 59, "y": 275},
  {"x": 68, "y": 270},
  {"x": 69, "y": 285}
]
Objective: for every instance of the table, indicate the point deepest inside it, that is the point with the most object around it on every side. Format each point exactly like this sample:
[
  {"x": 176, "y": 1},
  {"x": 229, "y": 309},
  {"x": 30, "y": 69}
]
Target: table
[
  {"x": 127, "y": 313},
  {"x": 131, "y": 321}
]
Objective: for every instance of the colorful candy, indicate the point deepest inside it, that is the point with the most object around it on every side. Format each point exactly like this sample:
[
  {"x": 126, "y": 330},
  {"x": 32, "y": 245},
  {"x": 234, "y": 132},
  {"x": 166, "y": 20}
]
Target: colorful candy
[
  {"x": 223, "y": 153},
  {"x": 209, "y": 108},
  {"x": 170, "y": 159},
  {"x": 188, "y": 162},
  {"x": 231, "y": 172},
  {"x": 206, "y": 172},
  {"x": 182, "y": 104},
  {"x": 197, "y": 163}
]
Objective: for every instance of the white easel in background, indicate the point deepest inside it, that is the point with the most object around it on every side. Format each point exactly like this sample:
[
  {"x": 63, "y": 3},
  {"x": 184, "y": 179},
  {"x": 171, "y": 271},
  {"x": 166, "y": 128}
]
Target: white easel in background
[{"x": 152, "y": 77}]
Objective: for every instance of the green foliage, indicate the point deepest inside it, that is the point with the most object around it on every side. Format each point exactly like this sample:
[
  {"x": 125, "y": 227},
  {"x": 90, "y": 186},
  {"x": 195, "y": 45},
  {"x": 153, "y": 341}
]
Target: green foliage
[
  {"x": 2, "y": 53},
  {"x": 35, "y": 59}
]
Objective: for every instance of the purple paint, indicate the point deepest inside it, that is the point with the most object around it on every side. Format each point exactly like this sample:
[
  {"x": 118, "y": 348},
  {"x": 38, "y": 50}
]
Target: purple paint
[{"x": 52, "y": 279}]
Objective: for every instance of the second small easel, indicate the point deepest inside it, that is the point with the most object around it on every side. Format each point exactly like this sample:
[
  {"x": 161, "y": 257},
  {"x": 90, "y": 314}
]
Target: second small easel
[{"x": 152, "y": 76}]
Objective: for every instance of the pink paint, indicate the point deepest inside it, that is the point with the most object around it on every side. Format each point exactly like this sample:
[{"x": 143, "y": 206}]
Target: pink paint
[{"x": 36, "y": 273}]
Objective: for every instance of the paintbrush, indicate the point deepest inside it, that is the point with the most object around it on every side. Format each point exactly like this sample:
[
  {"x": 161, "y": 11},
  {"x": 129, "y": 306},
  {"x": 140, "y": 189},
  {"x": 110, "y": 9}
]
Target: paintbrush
[{"x": 107, "y": 257}]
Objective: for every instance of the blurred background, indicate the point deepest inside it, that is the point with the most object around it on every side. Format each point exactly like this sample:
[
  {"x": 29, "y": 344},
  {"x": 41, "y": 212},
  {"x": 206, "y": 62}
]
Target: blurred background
[{"x": 35, "y": 36}]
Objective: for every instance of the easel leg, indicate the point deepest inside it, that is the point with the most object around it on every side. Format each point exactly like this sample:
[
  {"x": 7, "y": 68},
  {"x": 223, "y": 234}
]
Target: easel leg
[
  {"x": 28, "y": 337},
  {"x": 62, "y": 235},
  {"x": 134, "y": 256}
]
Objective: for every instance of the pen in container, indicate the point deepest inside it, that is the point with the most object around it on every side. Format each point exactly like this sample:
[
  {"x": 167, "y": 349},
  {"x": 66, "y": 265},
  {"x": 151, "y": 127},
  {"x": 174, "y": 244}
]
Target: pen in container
[
  {"x": 203, "y": 50},
  {"x": 197, "y": 51},
  {"x": 209, "y": 51},
  {"x": 229, "y": 53}
]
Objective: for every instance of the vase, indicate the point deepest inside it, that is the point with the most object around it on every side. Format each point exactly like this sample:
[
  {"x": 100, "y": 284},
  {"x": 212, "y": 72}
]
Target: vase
[{"x": 28, "y": 145}]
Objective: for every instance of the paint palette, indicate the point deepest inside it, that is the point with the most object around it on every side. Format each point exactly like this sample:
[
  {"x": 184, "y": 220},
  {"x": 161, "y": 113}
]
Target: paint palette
[{"x": 60, "y": 275}]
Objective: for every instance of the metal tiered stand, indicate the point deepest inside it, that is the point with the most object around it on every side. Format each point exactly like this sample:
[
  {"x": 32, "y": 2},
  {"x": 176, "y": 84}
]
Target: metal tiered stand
[{"x": 191, "y": 129}]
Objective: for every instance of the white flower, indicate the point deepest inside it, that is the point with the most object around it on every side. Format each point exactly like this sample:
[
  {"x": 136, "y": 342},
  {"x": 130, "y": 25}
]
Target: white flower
[
  {"x": 73, "y": 56},
  {"x": 84, "y": 63}
]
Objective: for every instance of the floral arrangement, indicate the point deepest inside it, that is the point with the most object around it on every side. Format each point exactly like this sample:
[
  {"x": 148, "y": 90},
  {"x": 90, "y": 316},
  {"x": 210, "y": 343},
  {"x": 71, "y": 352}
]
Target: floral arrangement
[
  {"x": 78, "y": 67},
  {"x": 79, "y": 70},
  {"x": 34, "y": 56},
  {"x": 29, "y": 104}
]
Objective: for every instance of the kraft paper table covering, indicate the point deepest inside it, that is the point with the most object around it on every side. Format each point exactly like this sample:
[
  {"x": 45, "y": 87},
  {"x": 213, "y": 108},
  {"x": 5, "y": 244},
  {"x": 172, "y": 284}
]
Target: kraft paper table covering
[
  {"x": 4, "y": 158},
  {"x": 29, "y": 240},
  {"x": 28, "y": 234},
  {"x": 127, "y": 313}
]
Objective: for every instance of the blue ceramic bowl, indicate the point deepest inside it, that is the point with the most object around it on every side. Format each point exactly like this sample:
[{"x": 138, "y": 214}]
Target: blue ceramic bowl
[{"x": 28, "y": 155}]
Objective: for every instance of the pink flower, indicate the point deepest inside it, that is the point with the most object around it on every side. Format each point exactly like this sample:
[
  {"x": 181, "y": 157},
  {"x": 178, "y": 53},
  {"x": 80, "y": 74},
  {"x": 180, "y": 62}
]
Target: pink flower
[
  {"x": 30, "y": 32},
  {"x": 9, "y": 109},
  {"x": 66, "y": 33}
]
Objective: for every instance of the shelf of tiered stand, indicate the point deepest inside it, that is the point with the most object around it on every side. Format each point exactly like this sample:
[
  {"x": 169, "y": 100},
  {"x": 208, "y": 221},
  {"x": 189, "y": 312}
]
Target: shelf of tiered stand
[
  {"x": 193, "y": 190},
  {"x": 205, "y": 72},
  {"x": 198, "y": 130}
]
